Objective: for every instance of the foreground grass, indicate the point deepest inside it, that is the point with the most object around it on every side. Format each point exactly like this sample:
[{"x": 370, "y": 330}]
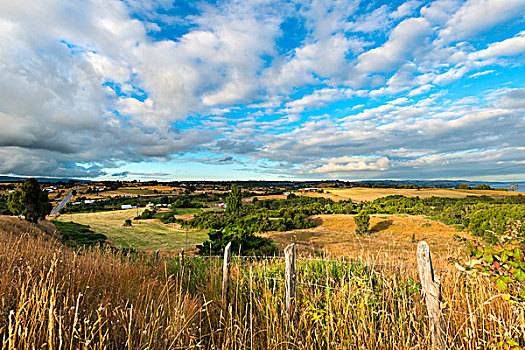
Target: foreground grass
[
  {"x": 142, "y": 235},
  {"x": 54, "y": 297}
]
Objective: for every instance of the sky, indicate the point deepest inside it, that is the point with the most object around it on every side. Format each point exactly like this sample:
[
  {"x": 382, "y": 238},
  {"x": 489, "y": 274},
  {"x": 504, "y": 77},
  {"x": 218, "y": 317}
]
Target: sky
[{"x": 262, "y": 89}]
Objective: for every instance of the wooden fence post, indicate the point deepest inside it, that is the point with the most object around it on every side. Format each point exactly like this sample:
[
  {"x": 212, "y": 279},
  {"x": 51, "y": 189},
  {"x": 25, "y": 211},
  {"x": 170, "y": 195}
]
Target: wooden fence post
[
  {"x": 291, "y": 282},
  {"x": 432, "y": 288},
  {"x": 226, "y": 272},
  {"x": 182, "y": 259},
  {"x": 157, "y": 256}
]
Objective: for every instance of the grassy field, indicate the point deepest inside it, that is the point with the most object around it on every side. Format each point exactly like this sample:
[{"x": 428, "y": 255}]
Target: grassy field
[
  {"x": 359, "y": 194},
  {"x": 146, "y": 235},
  {"x": 391, "y": 237},
  {"x": 54, "y": 297}
]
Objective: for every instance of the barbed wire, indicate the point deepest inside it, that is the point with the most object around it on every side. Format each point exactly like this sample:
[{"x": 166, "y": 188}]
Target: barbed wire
[
  {"x": 363, "y": 293},
  {"x": 485, "y": 318},
  {"x": 341, "y": 261}
]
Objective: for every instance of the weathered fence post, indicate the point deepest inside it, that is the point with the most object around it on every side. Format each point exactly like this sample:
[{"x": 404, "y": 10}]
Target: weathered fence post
[
  {"x": 432, "y": 288},
  {"x": 291, "y": 282},
  {"x": 157, "y": 256},
  {"x": 182, "y": 259},
  {"x": 226, "y": 272}
]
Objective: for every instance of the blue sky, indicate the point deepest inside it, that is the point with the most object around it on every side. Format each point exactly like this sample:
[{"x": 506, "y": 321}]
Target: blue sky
[{"x": 259, "y": 89}]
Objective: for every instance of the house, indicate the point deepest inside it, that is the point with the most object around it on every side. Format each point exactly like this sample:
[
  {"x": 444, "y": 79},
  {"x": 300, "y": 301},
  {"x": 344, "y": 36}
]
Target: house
[
  {"x": 309, "y": 189},
  {"x": 128, "y": 206},
  {"x": 89, "y": 201}
]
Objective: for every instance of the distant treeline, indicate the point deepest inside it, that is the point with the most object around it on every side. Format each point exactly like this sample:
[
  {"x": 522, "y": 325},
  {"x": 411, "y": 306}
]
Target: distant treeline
[{"x": 183, "y": 201}]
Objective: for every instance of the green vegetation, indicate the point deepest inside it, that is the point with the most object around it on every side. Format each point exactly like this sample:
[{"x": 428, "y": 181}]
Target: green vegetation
[
  {"x": 4, "y": 209},
  {"x": 183, "y": 201},
  {"x": 143, "y": 235},
  {"x": 30, "y": 200},
  {"x": 234, "y": 201},
  {"x": 146, "y": 215},
  {"x": 236, "y": 226},
  {"x": 77, "y": 235},
  {"x": 169, "y": 217},
  {"x": 503, "y": 263},
  {"x": 484, "y": 216},
  {"x": 362, "y": 223}
]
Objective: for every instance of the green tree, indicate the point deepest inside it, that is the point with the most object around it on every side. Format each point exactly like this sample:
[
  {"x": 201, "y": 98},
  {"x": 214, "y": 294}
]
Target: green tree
[
  {"x": 463, "y": 186},
  {"x": 234, "y": 201},
  {"x": 362, "y": 222},
  {"x": 30, "y": 201}
]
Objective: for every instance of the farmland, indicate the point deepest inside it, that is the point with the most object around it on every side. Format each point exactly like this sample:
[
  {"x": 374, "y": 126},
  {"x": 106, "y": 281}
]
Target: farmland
[
  {"x": 359, "y": 194},
  {"x": 146, "y": 235}
]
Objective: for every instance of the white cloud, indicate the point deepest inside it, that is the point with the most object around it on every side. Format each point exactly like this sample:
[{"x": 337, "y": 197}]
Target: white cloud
[
  {"x": 480, "y": 74},
  {"x": 477, "y": 16},
  {"x": 403, "y": 40},
  {"x": 405, "y": 9},
  {"x": 509, "y": 47},
  {"x": 349, "y": 165},
  {"x": 377, "y": 20},
  {"x": 317, "y": 98}
]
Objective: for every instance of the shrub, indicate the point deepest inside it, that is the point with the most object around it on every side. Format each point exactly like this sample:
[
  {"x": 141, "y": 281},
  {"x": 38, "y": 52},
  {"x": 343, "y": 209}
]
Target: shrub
[
  {"x": 127, "y": 222},
  {"x": 362, "y": 222}
]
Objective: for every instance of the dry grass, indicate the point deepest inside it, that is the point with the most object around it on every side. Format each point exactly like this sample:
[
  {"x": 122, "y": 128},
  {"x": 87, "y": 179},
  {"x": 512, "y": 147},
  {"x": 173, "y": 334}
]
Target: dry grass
[
  {"x": 53, "y": 298},
  {"x": 359, "y": 194},
  {"x": 391, "y": 237}
]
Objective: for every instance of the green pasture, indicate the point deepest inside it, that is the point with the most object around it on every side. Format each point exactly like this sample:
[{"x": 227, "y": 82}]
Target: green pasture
[{"x": 142, "y": 235}]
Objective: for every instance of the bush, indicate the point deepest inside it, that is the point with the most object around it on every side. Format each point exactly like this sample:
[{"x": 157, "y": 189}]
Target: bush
[
  {"x": 127, "y": 222},
  {"x": 76, "y": 235},
  {"x": 362, "y": 222},
  {"x": 502, "y": 262}
]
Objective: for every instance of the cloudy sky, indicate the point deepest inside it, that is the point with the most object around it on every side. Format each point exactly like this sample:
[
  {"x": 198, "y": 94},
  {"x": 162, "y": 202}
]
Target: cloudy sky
[{"x": 261, "y": 89}]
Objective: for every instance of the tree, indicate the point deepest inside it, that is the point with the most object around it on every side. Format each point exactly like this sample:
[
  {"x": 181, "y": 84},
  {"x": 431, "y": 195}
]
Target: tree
[
  {"x": 362, "y": 222},
  {"x": 234, "y": 200},
  {"x": 513, "y": 187},
  {"x": 463, "y": 186},
  {"x": 30, "y": 201}
]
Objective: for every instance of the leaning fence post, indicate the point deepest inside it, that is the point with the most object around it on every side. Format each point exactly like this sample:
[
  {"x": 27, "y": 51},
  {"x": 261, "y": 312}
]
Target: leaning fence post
[
  {"x": 432, "y": 288},
  {"x": 182, "y": 259},
  {"x": 226, "y": 272},
  {"x": 291, "y": 282}
]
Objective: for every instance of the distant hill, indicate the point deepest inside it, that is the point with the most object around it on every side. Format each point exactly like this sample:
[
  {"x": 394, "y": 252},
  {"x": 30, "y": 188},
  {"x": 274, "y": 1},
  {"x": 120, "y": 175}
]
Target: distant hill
[
  {"x": 39, "y": 179},
  {"x": 441, "y": 183}
]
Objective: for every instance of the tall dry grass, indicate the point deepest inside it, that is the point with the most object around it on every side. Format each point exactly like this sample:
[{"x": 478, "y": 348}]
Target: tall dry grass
[{"x": 53, "y": 297}]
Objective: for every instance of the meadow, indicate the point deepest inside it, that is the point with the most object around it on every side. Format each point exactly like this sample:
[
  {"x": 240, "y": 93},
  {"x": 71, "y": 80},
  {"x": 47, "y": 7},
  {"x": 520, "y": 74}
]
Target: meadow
[
  {"x": 147, "y": 235},
  {"x": 54, "y": 297},
  {"x": 391, "y": 236}
]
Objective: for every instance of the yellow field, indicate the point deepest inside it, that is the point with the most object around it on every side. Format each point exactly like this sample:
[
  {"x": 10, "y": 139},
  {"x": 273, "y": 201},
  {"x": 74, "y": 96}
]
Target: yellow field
[
  {"x": 146, "y": 235},
  {"x": 359, "y": 194},
  {"x": 391, "y": 237}
]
